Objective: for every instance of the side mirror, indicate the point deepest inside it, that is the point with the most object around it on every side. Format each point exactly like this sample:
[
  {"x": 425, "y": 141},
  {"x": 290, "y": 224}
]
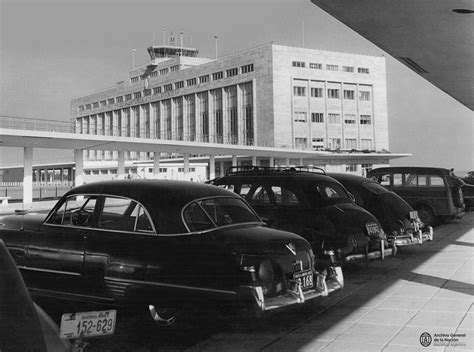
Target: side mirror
[{"x": 267, "y": 221}]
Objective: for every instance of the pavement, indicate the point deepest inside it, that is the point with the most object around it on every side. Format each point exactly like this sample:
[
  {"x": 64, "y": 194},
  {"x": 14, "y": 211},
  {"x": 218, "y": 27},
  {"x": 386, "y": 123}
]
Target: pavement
[{"x": 422, "y": 296}]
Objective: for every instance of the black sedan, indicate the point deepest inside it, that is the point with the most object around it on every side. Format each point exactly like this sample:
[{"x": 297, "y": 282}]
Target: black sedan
[
  {"x": 398, "y": 219},
  {"x": 160, "y": 245}
]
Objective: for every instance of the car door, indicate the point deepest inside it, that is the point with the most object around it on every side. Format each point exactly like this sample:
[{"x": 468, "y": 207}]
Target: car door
[{"x": 55, "y": 255}]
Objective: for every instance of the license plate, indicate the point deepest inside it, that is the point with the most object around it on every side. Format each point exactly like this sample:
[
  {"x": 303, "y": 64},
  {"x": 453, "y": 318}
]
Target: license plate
[
  {"x": 87, "y": 324},
  {"x": 305, "y": 278},
  {"x": 372, "y": 228}
]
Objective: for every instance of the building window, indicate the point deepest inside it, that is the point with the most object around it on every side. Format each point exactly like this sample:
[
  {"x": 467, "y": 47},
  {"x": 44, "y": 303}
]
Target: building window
[
  {"x": 128, "y": 97},
  {"x": 334, "y": 118},
  {"x": 347, "y": 69},
  {"x": 247, "y": 68},
  {"x": 317, "y": 92},
  {"x": 332, "y": 67},
  {"x": 300, "y": 116},
  {"x": 137, "y": 95},
  {"x": 168, "y": 87},
  {"x": 318, "y": 143},
  {"x": 364, "y": 96},
  {"x": 317, "y": 117},
  {"x": 204, "y": 79},
  {"x": 363, "y": 70},
  {"x": 349, "y": 119},
  {"x": 191, "y": 82},
  {"x": 179, "y": 84},
  {"x": 300, "y": 142},
  {"x": 111, "y": 101},
  {"x": 81, "y": 108},
  {"x": 232, "y": 72},
  {"x": 147, "y": 92},
  {"x": 119, "y": 99},
  {"x": 217, "y": 75},
  {"x": 154, "y": 74},
  {"x": 365, "y": 120},
  {"x": 351, "y": 143},
  {"x": 103, "y": 103},
  {"x": 95, "y": 105},
  {"x": 299, "y": 91},
  {"x": 134, "y": 79},
  {"x": 366, "y": 168},
  {"x": 156, "y": 90},
  {"x": 164, "y": 71},
  {"x": 298, "y": 64},
  {"x": 349, "y": 94},
  {"x": 366, "y": 144},
  {"x": 315, "y": 65},
  {"x": 334, "y": 143},
  {"x": 351, "y": 168},
  {"x": 333, "y": 93},
  {"x": 174, "y": 68}
]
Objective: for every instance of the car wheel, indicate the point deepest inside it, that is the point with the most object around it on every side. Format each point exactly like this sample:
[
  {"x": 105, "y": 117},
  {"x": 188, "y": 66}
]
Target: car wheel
[
  {"x": 162, "y": 316},
  {"x": 426, "y": 216}
]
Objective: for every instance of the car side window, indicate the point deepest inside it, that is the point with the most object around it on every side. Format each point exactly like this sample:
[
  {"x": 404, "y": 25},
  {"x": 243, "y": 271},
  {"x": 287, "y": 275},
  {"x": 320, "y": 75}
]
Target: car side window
[
  {"x": 259, "y": 197},
  {"x": 284, "y": 196},
  {"x": 410, "y": 180},
  {"x": 244, "y": 189},
  {"x": 397, "y": 180},
  {"x": 384, "y": 180},
  {"x": 75, "y": 211},
  {"x": 123, "y": 214},
  {"x": 436, "y": 181}
]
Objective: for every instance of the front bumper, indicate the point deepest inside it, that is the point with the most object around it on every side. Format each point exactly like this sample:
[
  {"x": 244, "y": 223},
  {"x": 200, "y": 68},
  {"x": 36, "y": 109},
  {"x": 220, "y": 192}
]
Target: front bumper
[
  {"x": 418, "y": 237},
  {"x": 329, "y": 284},
  {"x": 377, "y": 254}
]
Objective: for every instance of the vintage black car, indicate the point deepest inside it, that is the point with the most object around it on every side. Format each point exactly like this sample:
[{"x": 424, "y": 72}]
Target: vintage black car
[
  {"x": 436, "y": 193},
  {"x": 162, "y": 245},
  {"x": 310, "y": 203},
  {"x": 399, "y": 220}
]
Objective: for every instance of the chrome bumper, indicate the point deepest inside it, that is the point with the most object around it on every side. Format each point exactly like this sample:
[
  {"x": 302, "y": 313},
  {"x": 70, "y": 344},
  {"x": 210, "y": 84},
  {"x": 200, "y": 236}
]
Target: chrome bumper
[
  {"x": 417, "y": 238},
  {"x": 296, "y": 296},
  {"x": 382, "y": 253}
]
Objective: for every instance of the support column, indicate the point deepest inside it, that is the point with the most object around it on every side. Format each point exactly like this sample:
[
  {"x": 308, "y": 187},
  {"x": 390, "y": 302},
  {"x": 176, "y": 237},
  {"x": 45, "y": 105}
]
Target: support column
[
  {"x": 121, "y": 162},
  {"x": 156, "y": 164},
  {"x": 222, "y": 171},
  {"x": 186, "y": 166},
  {"x": 79, "y": 161},
  {"x": 301, "y": 162},
  {"x": 234, "y": 160},
  {"x": 287, "y": 162},
  {"x": 254, "y": 161},
  {"x": 27, "y": 177},
  {"x": 212, "y": 167},
  {"x": 271, "y": 161}
]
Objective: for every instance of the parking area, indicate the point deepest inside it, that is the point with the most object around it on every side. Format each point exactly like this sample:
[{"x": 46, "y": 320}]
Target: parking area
[{"x": 385, "y": 306}]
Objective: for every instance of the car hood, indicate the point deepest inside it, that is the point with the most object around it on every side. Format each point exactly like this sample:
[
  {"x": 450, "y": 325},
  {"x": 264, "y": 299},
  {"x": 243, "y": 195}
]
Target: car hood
[
  {"x": 28, "y": 222},
  {"x": 259, "y": 240}
]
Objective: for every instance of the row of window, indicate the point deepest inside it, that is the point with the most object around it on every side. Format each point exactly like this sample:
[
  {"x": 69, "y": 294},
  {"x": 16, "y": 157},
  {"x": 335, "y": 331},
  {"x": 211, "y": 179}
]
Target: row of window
[
  {"x": 167, "y": 87},
  {"x": 318, "y": 117},
  {"x": 318, "y": 66},
  {"x": 335, "y": 143},
  {"x": 332, "y": 93}
]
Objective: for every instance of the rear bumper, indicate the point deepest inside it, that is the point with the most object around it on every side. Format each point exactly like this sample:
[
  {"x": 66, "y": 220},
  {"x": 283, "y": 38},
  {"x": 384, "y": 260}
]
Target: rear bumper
[
  {"x": 328, "y": 285},
  {"x": 377, "y": 254},
  {"x": 418, "y": 237}
]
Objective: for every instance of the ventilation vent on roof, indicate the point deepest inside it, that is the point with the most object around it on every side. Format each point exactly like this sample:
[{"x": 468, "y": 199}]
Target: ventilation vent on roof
[{"x": 410, "y": 63}]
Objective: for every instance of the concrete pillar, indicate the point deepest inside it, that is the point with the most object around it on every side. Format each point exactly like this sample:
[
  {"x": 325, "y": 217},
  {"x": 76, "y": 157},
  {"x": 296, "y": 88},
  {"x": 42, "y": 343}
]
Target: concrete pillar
[
  {"x": 234, "y": 160},
  {"x": 121, "y": 162},
  {"x": 254, "y": 161},
  {"x": 287, "y": 162},
  {"x": 156, "y": 164},
  {"x": 186, "y": 166},
  {"x": 301, "y": 162},
  {"x": 271, "y": 161},
  {"x": 27, "y": 177},
  {"x": 221, "y": 171},
  {"x": 79, "y": 161},
  {"x": 212, "y": 167}
]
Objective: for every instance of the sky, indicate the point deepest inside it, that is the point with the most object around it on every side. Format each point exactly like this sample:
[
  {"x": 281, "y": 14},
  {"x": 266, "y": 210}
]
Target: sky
[{"x": 54, "y": 51}]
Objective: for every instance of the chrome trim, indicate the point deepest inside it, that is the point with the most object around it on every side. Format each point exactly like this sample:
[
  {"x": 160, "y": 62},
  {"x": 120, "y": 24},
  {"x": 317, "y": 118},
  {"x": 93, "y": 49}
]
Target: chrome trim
[
  {"x": 37, "y": 291},
  {"x": 369, "y": 255},
  {"x": 49, "y": 270}
]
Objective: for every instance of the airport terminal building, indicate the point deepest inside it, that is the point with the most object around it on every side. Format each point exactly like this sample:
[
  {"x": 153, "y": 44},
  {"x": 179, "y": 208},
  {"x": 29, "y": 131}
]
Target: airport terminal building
[{"x": 270, "y": 95}]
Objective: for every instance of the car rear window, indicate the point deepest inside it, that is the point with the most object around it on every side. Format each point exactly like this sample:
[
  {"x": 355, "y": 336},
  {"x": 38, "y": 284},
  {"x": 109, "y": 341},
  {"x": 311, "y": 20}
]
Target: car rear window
[
  {"x": 209, "y": 213},
  {"x": 330, "y": 192}
]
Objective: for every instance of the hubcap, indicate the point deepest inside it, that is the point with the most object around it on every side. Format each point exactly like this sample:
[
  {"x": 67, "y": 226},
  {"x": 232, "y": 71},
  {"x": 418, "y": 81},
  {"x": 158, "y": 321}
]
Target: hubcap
[{"x": 162, "y": 316}]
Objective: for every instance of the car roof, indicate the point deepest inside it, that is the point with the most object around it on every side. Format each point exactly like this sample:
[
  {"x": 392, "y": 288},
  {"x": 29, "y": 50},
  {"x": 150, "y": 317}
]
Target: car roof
[
  {"x": 185, "y": 191},
  {"x": 412, "y": 169},
  {"x": 350, "y": 178},
  {"x": 287, "y": 173}
]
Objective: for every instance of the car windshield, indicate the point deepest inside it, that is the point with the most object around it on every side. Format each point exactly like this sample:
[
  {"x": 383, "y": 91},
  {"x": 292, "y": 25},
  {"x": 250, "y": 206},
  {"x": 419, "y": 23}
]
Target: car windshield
[
  {"x": 208, "y": 213},
  {"x": 330, "y": 192}
]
